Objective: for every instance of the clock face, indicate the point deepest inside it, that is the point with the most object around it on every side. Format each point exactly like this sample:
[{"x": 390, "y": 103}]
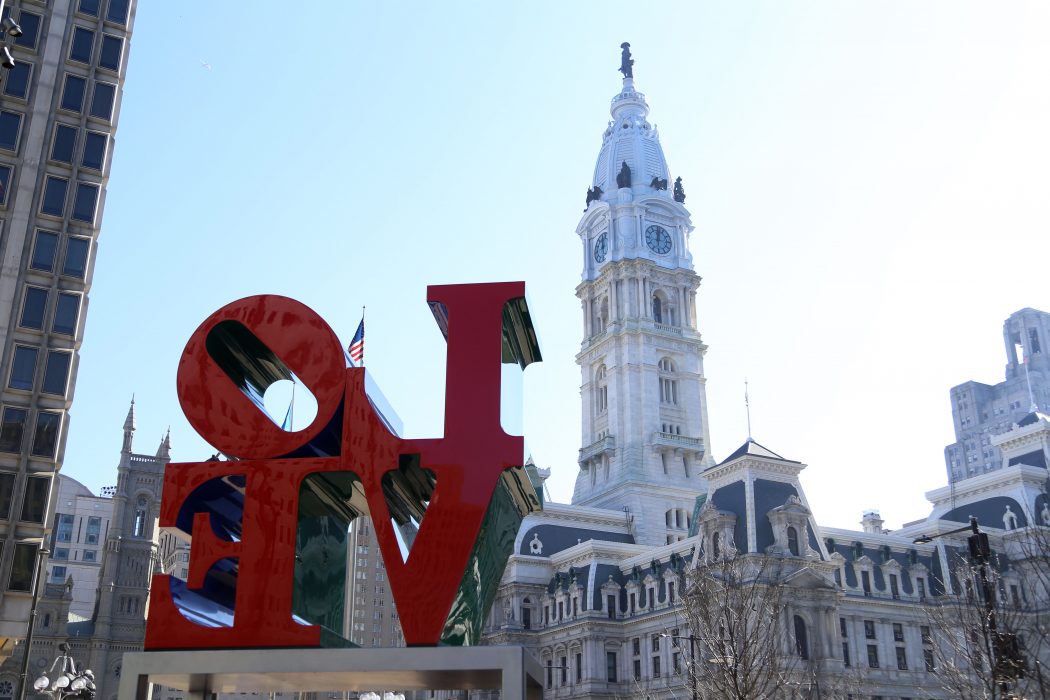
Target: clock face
[
  {"x": 657, "y": 238},
  {"x": 601, "y": 247}
]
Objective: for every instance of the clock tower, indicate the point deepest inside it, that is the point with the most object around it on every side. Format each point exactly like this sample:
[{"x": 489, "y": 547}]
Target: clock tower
[{"x": 645, "y": 433}]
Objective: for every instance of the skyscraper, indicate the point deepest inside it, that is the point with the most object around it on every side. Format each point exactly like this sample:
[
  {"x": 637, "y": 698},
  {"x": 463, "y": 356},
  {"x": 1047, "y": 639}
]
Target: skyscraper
[
  {"x": 981, "y": 411},
  {"x": 58, "y": 115}
]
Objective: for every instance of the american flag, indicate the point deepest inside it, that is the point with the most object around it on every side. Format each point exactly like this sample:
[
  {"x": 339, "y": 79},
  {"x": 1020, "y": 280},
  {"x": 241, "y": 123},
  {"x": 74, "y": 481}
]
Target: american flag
[{"x": 357, "y": 345}]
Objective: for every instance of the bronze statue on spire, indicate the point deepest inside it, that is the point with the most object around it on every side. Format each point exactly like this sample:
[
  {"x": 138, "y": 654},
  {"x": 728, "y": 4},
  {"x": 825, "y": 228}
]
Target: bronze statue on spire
[{"x": 626, "y": 62}]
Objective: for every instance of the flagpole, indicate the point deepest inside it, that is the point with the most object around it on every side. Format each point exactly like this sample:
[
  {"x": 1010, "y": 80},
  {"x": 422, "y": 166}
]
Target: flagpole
[
  {"x": 362, "y": 347},
  {"x": 291, "y": 409}
]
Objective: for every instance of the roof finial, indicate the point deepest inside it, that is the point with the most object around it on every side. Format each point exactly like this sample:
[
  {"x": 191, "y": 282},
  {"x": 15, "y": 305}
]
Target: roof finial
[
  {"x": 626, "y": 62},
  {"x": 129, "y": 422},
  {"x": 164, "y": 450},
  {"x": 129, "y": 427},
  {"x": 747, "y": 407}
]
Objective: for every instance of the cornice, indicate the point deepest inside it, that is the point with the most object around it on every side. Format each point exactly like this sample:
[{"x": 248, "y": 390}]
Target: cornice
[{"x": 987, "y": 483}]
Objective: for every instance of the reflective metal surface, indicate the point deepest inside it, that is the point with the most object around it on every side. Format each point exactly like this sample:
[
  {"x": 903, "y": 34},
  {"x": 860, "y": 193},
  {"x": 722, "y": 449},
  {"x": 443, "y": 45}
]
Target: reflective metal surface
[{"x": 268, "y": 526}]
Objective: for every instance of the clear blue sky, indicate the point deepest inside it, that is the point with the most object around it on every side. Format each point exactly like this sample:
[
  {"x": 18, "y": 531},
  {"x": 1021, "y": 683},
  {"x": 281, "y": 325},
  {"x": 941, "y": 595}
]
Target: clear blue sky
[{"x": 868, "y": 182}]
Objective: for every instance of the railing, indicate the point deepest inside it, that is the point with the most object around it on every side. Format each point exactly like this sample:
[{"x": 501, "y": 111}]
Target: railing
[
  {"x": 680, "y": 441},
  {"x": 605, "y": 444},
  {"x": 664, "y": 328}
]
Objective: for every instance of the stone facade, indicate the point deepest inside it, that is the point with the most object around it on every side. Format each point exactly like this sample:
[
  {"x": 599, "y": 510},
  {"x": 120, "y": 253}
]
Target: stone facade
[
  {"x": 129, "y": 557},
  {"x": 79, "y": 530},
  {"x": 982, "y": 411},
  {"x": 594, "y": 586}
]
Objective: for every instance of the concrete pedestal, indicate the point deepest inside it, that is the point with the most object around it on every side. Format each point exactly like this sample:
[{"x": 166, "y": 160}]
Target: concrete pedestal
[{"x": 202, "y": 673}]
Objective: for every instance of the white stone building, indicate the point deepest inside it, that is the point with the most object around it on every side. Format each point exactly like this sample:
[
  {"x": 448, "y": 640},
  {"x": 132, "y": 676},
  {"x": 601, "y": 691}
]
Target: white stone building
[
  {"x": 593, "y": 585},
  {"x": 78, "y": 533}
]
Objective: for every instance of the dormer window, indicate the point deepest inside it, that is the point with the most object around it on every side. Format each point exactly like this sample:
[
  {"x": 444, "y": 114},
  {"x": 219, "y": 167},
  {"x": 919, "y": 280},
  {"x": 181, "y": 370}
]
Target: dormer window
[{"x": 792, "y": 534}]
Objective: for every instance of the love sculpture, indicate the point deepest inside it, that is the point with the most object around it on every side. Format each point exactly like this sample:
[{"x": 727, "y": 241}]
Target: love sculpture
[{"x": 268, "y": 524}]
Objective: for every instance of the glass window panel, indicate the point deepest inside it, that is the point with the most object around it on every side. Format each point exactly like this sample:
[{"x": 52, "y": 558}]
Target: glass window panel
[
  {"x": 12, "y": 428},
  {"x": 73, "y": 93},
  {"x": 23, "y": 368},
  {"x": 35, "y": 501},
  {"x": 23, "y": 565},
  {"x": 54, "y": 201},
  {"x": 17, "y": 83},
  {"x": 89, "y": 7},
  {"x": 66, "y": 314},
  {"x": 102, "y": 100},
  {"x": 10, "y": 123},
  {"x": 5, "y": 182},
  {"x": 61, "y": 553},
  {"x": 80, "y": 47},
  {"x": 56, "y": 373},
  {"x": 84, "y": 202},
  {"x": 65, "y": 144},
  {"x": 117, "y": 11},
  {"x": 30, "y": 24},
  {"x": 112, "y": 47},
  {"x": 33, "y": 307},
  {"x": 7, "y": 483},
  {"x": 44, "y": 251},
  {"x": 45, "y": 438},
  {"x": 63, "y": 530},
  {"x": 75, "y": 263},
  {"x": 94, "y": 528},
  {"x": 94, "y": 150},
  {"x": 89, "y": 555}
]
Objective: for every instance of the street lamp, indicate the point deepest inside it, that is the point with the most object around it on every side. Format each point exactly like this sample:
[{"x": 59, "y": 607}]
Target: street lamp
[
  {"x": 387, "y": 695},
  {"x": 37, "y": 583},
  {"x": 1008, "y": 664},
  {"x": 692, "y": 656},
  {"x": 68, "y": 683}
]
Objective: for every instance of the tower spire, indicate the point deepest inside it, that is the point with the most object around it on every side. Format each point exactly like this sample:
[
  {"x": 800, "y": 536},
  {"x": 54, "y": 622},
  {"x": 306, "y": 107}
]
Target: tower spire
[
  {"x": 129, "y": 426},
  {"x": 164, "y": 450}
]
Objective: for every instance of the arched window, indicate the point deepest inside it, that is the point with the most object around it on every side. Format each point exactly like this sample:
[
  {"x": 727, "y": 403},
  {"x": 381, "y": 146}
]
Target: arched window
[
  {"x": 793, "y": 541},
  {"x": 140, "y": 517},
  {"x": 801, "y": 641},
  {"x": 603, "y": 315},
  {"x": 715, "y": 546},
  {"x": 526, "y": 613},
  {"x": 601, "y": 391},
  {"x": 658, "y": 312}
]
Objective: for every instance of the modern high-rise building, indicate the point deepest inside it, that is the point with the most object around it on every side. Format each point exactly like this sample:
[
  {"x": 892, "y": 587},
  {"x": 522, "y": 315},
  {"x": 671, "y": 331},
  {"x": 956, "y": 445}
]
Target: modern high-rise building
[
  {"x": 79, "y": 529},
  {"x": 127, "y": 543},
  {"x": 59, "y": 105},
  {"x": 371, "y": 617},
  {"x": 982, "y": 411}
]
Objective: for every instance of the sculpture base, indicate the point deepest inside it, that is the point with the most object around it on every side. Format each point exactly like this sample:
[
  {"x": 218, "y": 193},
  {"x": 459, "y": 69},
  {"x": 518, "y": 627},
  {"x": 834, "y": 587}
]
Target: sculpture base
[{"x": 512, "y": 670}]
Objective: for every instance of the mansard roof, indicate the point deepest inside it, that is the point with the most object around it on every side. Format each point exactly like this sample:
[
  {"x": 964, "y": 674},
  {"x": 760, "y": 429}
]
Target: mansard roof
[
  {"x": 1032, "y": 459},
  {"x": 753, "y": 449},
  {"x": 1032, "y": 418}
]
